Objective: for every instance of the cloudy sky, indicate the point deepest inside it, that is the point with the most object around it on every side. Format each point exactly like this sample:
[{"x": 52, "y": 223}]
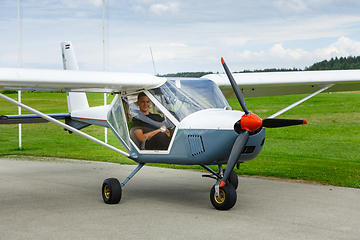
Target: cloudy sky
[{"x": 184, "y": 35}]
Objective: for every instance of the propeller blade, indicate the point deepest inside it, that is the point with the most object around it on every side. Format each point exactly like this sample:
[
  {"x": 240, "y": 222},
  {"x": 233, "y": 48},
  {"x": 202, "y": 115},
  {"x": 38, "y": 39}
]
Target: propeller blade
[
  {"x": 237, "y": 149},
  {"x": 277, "y": 122},
  {"x": 235, "y": 87}
]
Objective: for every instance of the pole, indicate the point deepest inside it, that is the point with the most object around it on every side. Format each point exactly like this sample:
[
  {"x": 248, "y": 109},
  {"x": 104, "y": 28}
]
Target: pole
[
  {"x": 104, "y": 61},
  {"x": 19, "y": 66}
]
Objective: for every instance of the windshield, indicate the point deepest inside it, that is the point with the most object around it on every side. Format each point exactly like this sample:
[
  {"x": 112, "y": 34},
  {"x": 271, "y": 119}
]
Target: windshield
[{"x": 184, "y": 97}]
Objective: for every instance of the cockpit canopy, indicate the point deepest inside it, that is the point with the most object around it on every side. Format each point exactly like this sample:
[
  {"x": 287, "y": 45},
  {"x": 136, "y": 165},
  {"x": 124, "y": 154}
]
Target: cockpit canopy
[{"x": 184, "y": 97}]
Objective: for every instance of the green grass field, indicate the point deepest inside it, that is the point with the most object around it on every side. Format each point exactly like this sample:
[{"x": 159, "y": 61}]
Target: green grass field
[{"x": 325, "y": 150}]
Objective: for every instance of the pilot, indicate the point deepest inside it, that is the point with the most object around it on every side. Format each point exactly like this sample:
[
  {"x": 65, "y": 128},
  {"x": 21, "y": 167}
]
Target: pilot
[{"x": 146, "y": 126}]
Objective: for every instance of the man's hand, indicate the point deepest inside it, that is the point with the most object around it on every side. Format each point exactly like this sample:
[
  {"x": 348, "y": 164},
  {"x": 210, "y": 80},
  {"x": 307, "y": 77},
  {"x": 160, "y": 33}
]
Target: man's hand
[{"x": 163, "y": 129}]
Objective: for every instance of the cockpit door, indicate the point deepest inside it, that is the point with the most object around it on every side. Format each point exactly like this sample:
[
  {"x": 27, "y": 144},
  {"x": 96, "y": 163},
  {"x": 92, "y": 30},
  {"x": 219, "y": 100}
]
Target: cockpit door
[
  {"x": 117, "y": 121},
  {"x": 140, "y": 125}
]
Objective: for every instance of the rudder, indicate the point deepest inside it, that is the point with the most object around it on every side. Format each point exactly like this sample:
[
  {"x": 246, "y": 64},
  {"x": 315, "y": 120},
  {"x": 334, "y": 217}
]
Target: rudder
[{"x": 75, "y": 100}]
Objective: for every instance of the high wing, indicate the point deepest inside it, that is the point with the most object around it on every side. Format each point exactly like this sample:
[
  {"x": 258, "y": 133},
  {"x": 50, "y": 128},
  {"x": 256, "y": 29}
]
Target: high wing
[
  {"x": 287, "y": 83},
  {"x": 75, "y": 81},
  {"x": 251, "y": 84}
]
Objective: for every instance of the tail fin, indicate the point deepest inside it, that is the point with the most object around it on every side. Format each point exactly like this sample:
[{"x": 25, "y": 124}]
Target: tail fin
[{"x": 76, "y": 101}]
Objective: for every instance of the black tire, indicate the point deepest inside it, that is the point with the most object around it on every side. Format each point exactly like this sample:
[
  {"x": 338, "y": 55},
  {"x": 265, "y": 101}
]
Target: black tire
[
  {"x": 111, "y": 191},
  {"x": 233, "y": 179},
  {"x": 226, "y": 199}
]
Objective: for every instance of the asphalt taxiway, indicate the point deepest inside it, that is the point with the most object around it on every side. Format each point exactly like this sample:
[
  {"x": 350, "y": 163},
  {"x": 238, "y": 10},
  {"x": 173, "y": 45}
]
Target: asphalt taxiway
[{"x": 44, "y": 198}]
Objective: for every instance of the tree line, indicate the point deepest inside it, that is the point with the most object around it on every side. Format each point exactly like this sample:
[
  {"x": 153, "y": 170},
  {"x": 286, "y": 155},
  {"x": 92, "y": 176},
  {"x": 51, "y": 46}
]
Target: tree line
[{"x": 342, "y": 63}]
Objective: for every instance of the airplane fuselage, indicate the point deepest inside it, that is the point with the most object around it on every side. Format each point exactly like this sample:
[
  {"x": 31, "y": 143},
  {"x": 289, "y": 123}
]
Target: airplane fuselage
[{"x": 201, "y": 128}]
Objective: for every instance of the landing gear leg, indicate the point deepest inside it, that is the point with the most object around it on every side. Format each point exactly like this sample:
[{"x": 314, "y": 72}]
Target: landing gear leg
[
  {"x": 233, "y": 178},
  {"x": 112, "y": 189},
  {"x": 223, "y": 198}
]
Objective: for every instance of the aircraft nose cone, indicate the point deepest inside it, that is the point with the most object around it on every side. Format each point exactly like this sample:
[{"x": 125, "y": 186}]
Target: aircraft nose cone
[{"x": 250, "y": 122}]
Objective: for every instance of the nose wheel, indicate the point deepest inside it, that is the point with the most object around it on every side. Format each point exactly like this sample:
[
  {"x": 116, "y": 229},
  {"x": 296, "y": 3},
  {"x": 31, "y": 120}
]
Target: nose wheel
[{"x": 226, "y": 197}]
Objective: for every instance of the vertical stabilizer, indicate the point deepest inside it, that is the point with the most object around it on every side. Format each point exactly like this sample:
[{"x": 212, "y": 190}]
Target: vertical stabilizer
[{"x": 76, "y": 101}]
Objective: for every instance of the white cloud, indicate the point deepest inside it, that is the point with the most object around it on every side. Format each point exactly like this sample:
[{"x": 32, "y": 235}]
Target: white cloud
[
  {"x": 343, "y": 47},
  {"x": 277, "y": 51},
  {"x": 279, "y": 57},
  {"x": 247, "y": 55},
  {"x": 160, "y": 9},
  {"x": 82, "y": 4}
]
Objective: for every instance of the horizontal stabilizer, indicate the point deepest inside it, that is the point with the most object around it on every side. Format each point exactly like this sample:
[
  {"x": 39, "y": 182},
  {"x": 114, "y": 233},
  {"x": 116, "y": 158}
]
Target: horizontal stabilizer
[{"x": 31, "y": 118}]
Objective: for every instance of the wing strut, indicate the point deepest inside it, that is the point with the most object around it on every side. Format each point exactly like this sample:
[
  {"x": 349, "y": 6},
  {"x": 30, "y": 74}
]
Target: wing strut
[
  {"x": 301, "y": 101},
  {"x": 50, "y": 119}
]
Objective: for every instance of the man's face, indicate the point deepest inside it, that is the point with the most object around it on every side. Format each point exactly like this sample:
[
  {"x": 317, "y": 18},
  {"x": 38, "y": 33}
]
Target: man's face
[{"x": 144, "y": 104}]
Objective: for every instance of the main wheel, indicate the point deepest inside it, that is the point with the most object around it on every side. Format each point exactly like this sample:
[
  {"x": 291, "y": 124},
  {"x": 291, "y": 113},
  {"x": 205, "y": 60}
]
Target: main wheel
[
  {"x": 111, "y": 191},
  {"x": 233, "y": 179},
  {"x": 226, "y": 199}
]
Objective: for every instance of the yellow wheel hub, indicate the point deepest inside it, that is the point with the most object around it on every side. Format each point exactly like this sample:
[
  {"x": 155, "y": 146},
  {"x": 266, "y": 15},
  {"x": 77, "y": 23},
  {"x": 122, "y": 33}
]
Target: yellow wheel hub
[
  {"x": 107, "y": 191},
  {"x": 221, "y": 197}
]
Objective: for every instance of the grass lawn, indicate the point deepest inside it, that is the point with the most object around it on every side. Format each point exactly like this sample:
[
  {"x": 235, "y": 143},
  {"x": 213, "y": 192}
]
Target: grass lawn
[{"x": 325, "y": 150}]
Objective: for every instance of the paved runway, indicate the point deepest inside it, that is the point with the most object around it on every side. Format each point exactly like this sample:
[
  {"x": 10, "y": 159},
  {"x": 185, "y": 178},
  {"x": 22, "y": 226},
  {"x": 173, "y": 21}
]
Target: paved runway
[{"x": 61, "y": 199}]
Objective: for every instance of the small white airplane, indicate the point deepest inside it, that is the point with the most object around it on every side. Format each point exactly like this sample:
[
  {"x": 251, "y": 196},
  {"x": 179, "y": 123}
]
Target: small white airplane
[{"x": 172, "y": 120}]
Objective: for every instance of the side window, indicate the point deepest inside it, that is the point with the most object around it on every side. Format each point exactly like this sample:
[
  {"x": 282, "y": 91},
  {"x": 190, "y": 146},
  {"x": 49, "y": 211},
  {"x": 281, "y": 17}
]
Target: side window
[
  {"x": 117, "y": 121},
  {"x": 148, "y": 127}
]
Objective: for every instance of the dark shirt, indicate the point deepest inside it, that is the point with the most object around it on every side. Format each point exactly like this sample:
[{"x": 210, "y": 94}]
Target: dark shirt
[{"x": 149, "y": 123}]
